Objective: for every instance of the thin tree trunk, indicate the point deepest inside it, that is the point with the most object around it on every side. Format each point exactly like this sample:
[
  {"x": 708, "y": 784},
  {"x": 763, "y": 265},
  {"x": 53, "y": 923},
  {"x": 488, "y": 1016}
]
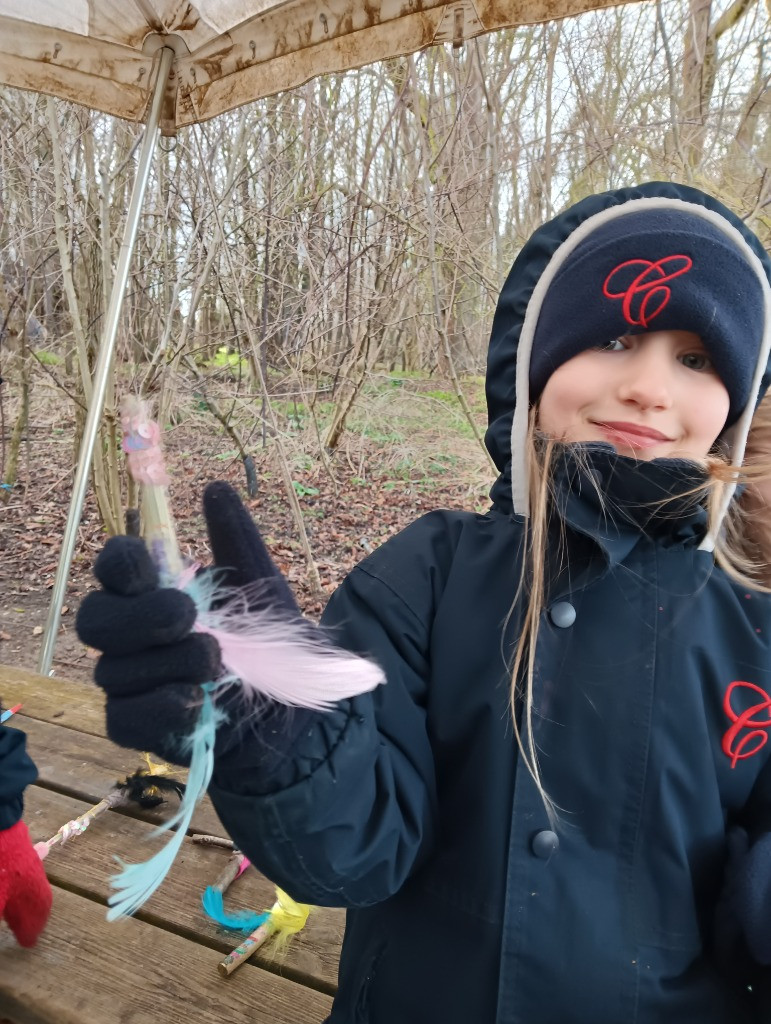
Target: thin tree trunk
[
  {"x": 81, "y": 345},
  {"x": 440, "y": 328},
  {"x": 20, "y": 426}
]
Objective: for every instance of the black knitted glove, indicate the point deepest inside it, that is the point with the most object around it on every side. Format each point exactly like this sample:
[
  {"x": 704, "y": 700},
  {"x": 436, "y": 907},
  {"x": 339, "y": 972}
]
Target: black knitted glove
[
  {"x": 743, "y": 918},
  {"x": 152, "y": 663}
]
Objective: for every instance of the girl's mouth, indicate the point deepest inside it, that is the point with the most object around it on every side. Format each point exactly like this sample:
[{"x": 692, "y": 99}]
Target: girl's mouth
[{"x": 632, "y": 435}]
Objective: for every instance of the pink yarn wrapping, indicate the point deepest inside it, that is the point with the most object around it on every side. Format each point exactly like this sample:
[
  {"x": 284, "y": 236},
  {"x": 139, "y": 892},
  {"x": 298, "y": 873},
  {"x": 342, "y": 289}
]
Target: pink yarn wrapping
[{"x": 142, "y": 445}]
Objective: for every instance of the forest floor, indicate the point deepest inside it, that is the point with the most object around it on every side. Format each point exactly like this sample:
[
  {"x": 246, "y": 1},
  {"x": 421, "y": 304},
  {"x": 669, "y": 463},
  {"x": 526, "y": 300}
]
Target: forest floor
[{"x": 408, "y": 449}]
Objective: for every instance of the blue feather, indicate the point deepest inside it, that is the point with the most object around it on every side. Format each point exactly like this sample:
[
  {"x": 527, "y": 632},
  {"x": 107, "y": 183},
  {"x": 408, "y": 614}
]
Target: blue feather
[
  {"x": 137, "y": 882},
  {"x": 241, "y": 921}
]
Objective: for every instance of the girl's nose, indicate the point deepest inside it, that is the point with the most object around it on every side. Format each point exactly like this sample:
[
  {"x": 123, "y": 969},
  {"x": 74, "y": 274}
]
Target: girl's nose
[{"x": 647, "y": 380}]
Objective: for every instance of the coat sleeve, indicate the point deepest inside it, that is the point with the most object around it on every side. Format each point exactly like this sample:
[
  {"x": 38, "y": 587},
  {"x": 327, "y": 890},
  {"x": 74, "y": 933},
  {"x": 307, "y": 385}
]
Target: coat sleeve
[
  {"x": 353, "y": 812},
  {"x": 17, "y": 771}
]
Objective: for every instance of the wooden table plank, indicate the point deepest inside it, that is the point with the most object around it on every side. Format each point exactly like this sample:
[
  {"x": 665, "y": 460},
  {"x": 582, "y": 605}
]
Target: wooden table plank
[
  {"x": 75, "y": 705},
  {"x": 87, "y": 862},
  {"x": 87, "y": 766},
  {"x": 86, "y": 971}
]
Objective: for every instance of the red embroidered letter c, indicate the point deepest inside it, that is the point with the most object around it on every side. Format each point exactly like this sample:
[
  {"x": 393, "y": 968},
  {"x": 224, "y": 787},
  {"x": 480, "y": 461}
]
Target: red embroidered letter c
[
  {"x": 648, "y": 286},
  {"x": 736, "y": 746}
]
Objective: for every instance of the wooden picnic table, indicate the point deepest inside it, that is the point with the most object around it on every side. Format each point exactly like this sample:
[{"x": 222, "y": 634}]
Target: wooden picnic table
[{"x": 160, "y": 965}]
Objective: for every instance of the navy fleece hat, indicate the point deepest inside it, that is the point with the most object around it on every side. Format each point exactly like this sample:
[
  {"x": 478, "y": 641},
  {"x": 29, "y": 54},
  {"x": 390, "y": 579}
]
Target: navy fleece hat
[{"x": 654, "y": 270}]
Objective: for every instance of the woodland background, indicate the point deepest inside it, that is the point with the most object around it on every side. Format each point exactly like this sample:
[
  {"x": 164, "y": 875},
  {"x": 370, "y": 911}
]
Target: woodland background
[{"x": 315, "y": 276}]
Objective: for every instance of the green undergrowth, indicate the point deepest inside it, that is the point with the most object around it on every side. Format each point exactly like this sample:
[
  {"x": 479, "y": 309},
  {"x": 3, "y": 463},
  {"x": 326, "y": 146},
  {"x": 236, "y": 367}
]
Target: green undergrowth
[
  {"x": 406, "y": 430},
  {"x": 405, "y": 433}
]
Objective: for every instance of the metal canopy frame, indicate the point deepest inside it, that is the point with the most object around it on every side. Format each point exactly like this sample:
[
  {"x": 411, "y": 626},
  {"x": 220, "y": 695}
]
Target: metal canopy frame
[{"x": 104, "y": 361}]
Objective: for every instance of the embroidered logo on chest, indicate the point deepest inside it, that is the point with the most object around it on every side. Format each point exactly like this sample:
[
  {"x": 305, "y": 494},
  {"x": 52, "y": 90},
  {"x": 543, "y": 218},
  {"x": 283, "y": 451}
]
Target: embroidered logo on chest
[
  {"x": 748, "y": 732},
  {"x": 643, "y": 286}
]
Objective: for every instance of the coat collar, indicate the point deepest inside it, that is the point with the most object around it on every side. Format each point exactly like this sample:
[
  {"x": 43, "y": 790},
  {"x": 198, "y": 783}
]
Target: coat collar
[{"x": 615, "y": 501}]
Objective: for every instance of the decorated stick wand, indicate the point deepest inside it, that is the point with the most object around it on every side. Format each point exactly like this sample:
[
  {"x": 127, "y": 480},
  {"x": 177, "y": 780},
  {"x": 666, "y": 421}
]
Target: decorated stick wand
[
  {"x": 76, "y": 827},
  {"x": 285, "y": 918},
  {"x": 142, "y": 788},
  {"x": 265, "y": 653},
  {"x": 250, "y": 945},
  {"x": 141, "y": 442}
]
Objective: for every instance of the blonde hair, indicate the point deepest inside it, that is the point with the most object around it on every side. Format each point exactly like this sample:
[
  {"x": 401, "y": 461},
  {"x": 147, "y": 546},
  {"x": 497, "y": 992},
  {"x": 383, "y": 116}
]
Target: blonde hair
[
  {"x": 755, "y": 502},
  {"x": 735, "y": 553}
]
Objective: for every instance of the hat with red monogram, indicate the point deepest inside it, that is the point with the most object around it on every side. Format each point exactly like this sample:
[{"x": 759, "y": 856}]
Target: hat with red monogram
[{"x": 655, "y": 270}]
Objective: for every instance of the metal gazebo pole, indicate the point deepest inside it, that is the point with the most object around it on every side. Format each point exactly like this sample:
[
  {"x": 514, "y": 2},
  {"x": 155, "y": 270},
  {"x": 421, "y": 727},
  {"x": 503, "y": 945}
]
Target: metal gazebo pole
[{"x": 104, "y": 359}]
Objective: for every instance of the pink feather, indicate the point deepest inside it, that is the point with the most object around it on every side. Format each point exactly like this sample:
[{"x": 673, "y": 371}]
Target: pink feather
[{"x": 285, "y": 660}]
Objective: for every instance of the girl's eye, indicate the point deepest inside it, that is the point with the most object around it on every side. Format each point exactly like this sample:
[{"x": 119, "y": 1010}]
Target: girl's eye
[
  {"x": 616, "y": 345},
  {"x": 698, "y": 361}
]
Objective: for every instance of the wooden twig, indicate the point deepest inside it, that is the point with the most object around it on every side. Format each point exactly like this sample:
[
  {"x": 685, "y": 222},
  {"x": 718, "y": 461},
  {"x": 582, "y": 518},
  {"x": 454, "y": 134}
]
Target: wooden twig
[{"x": 204, "y": 840}]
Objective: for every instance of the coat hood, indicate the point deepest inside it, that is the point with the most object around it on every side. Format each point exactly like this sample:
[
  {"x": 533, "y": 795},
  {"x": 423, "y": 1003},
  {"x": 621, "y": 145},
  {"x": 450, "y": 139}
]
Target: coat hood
[{"x": 521, "y": 299}]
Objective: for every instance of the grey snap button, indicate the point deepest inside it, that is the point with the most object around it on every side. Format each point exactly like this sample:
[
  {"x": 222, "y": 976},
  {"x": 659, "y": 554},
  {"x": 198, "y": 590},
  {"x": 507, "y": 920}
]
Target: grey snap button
[
  {"x": 545, "y": 844},
  {"x": 562, "y": 614}
]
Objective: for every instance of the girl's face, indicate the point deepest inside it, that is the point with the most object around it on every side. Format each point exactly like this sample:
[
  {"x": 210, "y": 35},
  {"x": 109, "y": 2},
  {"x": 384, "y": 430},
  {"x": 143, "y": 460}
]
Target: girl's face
[{"x": 649, "y": 395}]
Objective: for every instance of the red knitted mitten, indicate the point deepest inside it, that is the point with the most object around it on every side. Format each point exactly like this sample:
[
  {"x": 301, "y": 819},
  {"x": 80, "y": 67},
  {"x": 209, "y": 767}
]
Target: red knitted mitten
[{"x": 25, "y": 894}]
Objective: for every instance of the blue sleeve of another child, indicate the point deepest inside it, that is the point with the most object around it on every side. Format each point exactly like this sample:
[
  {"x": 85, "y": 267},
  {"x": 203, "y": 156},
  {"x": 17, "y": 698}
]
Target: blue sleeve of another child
[{"x": 17, "y": 771}]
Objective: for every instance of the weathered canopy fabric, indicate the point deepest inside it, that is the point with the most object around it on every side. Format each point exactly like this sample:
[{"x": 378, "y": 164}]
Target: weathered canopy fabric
[{"x": 100, "y": 52}]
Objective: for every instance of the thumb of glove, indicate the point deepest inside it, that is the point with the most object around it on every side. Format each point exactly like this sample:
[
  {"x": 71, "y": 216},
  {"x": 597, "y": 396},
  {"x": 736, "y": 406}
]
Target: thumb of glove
[
  {"x": 285, "y": 658},
  {"x": 240, "y": 552}
]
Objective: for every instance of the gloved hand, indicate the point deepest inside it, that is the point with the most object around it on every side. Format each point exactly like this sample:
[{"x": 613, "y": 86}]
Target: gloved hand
[
  {"x": 25, "y": 894},
  {"x": 743, "y": 918},
  {"x": 153, "y": 664}
]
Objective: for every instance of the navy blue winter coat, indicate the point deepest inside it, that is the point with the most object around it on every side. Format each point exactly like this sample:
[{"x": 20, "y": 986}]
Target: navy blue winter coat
[{"x": 411, "y": 806}]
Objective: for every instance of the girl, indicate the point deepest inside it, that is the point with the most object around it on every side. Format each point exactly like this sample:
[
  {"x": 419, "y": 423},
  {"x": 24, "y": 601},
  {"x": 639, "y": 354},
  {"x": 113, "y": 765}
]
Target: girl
[{"x": 529, "y": 821}]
